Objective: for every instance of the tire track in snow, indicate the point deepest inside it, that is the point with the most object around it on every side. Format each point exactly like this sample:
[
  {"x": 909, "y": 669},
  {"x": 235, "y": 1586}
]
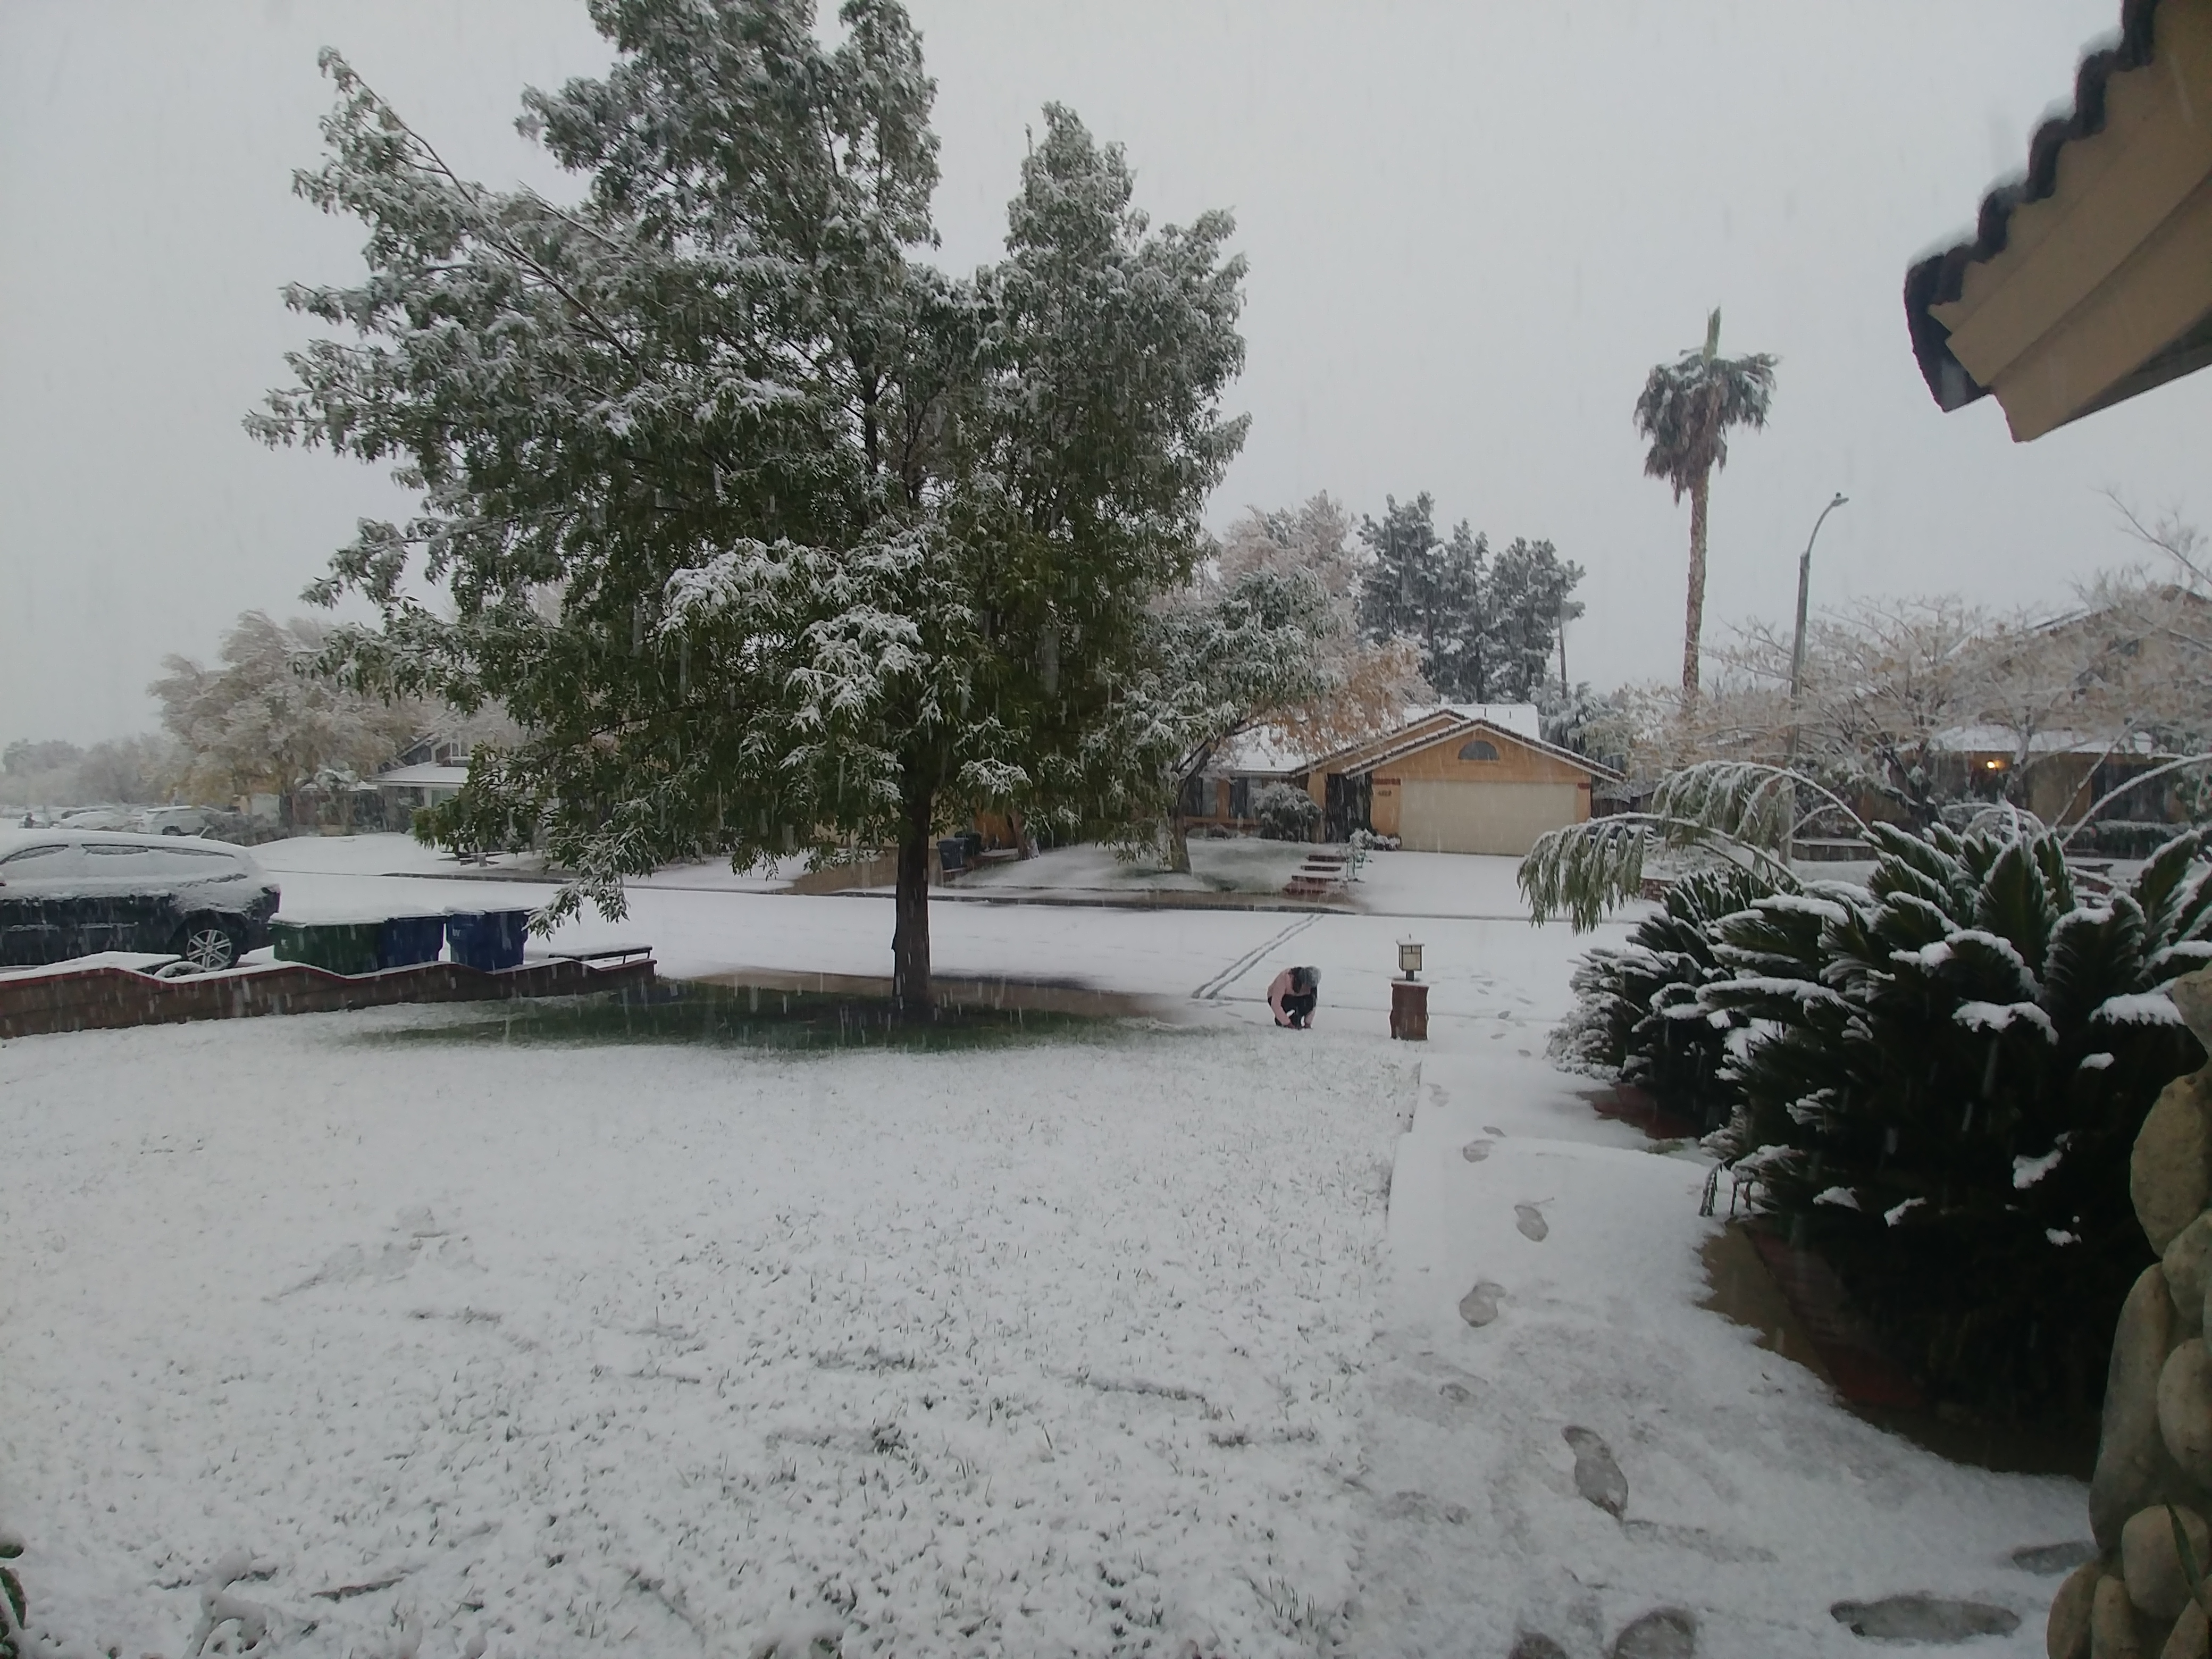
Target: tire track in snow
[{"x": 1211, "y": 990}]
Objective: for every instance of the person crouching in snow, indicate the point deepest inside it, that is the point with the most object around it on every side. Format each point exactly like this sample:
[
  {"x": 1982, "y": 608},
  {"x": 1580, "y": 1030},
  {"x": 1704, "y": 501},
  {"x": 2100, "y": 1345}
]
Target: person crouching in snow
[{"x": 1292, "y": 996}]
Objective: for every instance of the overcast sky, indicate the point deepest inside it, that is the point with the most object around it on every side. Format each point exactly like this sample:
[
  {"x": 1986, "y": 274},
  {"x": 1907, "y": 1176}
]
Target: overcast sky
[{"x": 1472, "y": 227}]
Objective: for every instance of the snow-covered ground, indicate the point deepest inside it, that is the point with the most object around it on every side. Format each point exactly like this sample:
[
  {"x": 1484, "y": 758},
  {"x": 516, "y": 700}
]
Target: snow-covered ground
[{"x": 1110, "y": 1344}]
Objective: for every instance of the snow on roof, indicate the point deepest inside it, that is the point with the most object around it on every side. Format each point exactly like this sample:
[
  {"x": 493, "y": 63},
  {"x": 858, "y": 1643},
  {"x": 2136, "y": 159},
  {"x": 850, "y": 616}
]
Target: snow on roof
[
  {"x": 425, "y": 776},
  {"x": 1380, "y": 756},
  {"x": 1520, "y": 719},
  {"x": 2002, "y": 740},
  {"x": 1264, "y": 749},
  {"x": 1283, "y": 752}
]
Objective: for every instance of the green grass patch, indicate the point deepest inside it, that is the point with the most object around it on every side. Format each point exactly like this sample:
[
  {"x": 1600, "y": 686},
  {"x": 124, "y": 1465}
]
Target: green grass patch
[{"x": 742, "y": 1017}]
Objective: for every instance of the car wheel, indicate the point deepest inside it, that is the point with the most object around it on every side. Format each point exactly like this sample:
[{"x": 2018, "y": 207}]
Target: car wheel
[
  {"x": 208, "y": 946},
  {"x": 172, "y": 830}
]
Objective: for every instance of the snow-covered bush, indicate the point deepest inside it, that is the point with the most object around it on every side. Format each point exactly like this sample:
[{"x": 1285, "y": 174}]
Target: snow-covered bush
[
  {"x": 1637, "y": 1013},
  {"x": 1942, "y": 1078},
  {"x": 1285, "y": 813},
  {"x": 14, "y": 1609}
]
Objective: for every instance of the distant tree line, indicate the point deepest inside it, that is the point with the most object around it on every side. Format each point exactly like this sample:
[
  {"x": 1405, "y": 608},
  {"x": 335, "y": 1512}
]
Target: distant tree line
[{"x": 1486, "y": 623}]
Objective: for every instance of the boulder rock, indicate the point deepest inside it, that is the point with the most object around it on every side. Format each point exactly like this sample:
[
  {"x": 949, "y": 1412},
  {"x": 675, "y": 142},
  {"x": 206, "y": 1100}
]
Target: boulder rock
[
  {"x": 2169, "y": 1171},
  {"x": 1598, "y": 1475},
  {"x": 2188, "y": 1264},
  {"x": 2150, "y": 1564},
  {"x": 2134, "y": 1469},
  {"x": 2067, "y": 1634},
  {"x": 2185, "y": 1412},
  {"x": 2112, "y": 1623},
  {"x": 2192, "y": 995},
  {"x": 2189, "y": 1638}
]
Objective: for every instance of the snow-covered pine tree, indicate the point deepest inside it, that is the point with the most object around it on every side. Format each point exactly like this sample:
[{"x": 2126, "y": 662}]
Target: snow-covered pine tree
[
  {"x": 1525, "y": 603},
  {"x": 770, "y": 535},
  {"x": 1485, "y": 624}
]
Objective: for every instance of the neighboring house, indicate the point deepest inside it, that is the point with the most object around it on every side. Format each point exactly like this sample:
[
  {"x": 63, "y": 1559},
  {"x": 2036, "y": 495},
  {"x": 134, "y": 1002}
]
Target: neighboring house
[
  {"x": 1471, "y": 784},
  {"x": 2065, "y": 773},
  {"x": 1460, "y": 778},
  {"x": 404, "y": 789}
]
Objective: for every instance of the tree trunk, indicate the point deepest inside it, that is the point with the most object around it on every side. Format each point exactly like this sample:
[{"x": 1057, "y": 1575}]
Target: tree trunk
[
  {"x": 1694, "y": 623},
  {"x": 1023, "y": 845},
  {"x": 1178, "y": 844},
  {"x": 910, "y": 988}
]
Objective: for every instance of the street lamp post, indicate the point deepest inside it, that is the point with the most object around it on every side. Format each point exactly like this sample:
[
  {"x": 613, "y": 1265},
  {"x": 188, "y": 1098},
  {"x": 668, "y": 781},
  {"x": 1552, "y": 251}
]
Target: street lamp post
[
  {"x": 1797, "y": 661},
  {"x": 1804, "y": 590}
]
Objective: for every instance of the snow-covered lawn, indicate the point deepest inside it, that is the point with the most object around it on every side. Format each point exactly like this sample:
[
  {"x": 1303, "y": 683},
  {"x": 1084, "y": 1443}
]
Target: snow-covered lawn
[
  {"x": 1103, "y": 1344},
  {"x": 1047, "y": 1348}
]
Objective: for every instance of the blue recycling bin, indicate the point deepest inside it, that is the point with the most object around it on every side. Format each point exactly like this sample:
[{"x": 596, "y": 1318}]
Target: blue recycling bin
[
  {"x": 405, "y": 941},
  {"x": 487, "y": 939}
]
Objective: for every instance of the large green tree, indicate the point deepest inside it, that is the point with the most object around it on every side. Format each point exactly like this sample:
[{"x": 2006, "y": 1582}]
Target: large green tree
[
  {"x": 770, "y": 534},
  {"x": 1686, "y": 412}
]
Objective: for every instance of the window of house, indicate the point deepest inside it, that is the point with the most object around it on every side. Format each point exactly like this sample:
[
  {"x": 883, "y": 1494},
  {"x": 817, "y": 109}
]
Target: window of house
[
  {"x": 1239, "y": 798},
  {"x": 1478, "y": 749},
  {"x": 1198, "y": 798}
]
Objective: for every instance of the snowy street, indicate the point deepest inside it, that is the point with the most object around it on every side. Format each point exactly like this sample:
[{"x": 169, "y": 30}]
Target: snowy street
[{"x": 1191, "y": 1337}]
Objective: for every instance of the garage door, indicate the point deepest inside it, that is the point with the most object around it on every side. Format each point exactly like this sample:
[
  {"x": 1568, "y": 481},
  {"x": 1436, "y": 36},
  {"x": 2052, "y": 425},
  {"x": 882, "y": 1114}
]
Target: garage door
[{"x": 1435, "y": 815}]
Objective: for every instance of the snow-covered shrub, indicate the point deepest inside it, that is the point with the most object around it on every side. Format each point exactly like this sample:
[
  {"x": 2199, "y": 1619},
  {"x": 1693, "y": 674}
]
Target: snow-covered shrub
[
  {"x": 14, "y": 1609},
  {"x": 1285, "y": 813},
  {"x": 1944, "y": 1075},
  {"x": 1637, "y": 1013}
]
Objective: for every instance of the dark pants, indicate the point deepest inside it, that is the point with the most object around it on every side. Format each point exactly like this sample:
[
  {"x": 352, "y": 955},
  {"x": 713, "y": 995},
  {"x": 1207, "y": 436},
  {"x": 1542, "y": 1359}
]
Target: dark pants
[{"x": 1298, "y": 1010}]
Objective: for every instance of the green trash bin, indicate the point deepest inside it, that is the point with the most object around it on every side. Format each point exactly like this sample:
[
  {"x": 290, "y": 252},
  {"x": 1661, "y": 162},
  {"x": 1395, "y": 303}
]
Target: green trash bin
[{"x": 336, "y": 947}]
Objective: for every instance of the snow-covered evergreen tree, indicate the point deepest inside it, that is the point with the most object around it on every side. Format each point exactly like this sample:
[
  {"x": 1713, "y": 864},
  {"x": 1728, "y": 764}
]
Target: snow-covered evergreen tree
[
  {"x": 1485, "y": 624},
  {"x": 770, "y": 534}
]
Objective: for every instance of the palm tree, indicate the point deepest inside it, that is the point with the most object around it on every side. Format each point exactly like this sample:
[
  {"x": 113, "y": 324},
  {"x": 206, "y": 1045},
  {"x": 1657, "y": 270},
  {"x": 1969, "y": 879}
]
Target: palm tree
[{"x": 1687, "y": 409}]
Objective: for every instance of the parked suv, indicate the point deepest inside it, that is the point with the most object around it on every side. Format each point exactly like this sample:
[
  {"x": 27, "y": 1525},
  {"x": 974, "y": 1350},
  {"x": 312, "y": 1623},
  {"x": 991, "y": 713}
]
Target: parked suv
[
  {"x": 168, "y": 821},
  {"x": 67, "y": 893}
]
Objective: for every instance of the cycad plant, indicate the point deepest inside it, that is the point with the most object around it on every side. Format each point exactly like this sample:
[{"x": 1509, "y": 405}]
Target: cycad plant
[
  {"x": 1637, "y": 1014},
  {"x": 1945, "y": 1074}
]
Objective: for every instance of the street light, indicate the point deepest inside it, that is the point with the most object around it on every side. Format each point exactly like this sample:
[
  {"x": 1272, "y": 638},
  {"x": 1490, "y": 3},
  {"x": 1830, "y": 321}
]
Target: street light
[{"x": 1804, "y": 588}]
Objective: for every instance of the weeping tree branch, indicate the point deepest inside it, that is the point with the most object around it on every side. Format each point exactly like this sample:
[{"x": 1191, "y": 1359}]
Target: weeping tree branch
[
  {"x": 1585, "y": 870},
  {"x": 1744, "y": 811},
  {"x": 2111, "y": 795}
]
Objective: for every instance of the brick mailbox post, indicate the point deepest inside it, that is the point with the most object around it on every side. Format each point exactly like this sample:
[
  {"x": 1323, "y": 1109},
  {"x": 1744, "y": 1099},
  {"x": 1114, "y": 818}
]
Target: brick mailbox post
[{"x": 1409, "y": 997}]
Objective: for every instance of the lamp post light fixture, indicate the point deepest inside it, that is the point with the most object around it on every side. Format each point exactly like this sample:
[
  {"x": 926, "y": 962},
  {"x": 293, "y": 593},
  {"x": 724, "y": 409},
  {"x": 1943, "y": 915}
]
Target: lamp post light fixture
[{"x": 1409, "y": 959}]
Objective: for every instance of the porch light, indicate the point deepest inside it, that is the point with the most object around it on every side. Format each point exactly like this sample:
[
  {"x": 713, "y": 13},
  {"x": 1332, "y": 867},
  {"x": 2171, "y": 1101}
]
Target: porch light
[{"x": 1409, "y": 959}]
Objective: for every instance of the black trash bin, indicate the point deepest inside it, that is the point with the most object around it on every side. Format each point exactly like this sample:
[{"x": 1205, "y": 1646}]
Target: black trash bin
[
  {"x": 953, "y": 855},
  {"x": 405, "y": 941},
  {"x": 487, "y": 939}
]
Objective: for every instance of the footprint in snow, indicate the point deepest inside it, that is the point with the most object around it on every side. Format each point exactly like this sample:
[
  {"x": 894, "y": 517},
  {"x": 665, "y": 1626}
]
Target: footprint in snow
[
  {"x": 1598, "y": 1475},
  {"x": 1480, "y": 1305},
  {"x": 1530, "y": 1220},
  {"x": 1475, "y": 1150}
]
